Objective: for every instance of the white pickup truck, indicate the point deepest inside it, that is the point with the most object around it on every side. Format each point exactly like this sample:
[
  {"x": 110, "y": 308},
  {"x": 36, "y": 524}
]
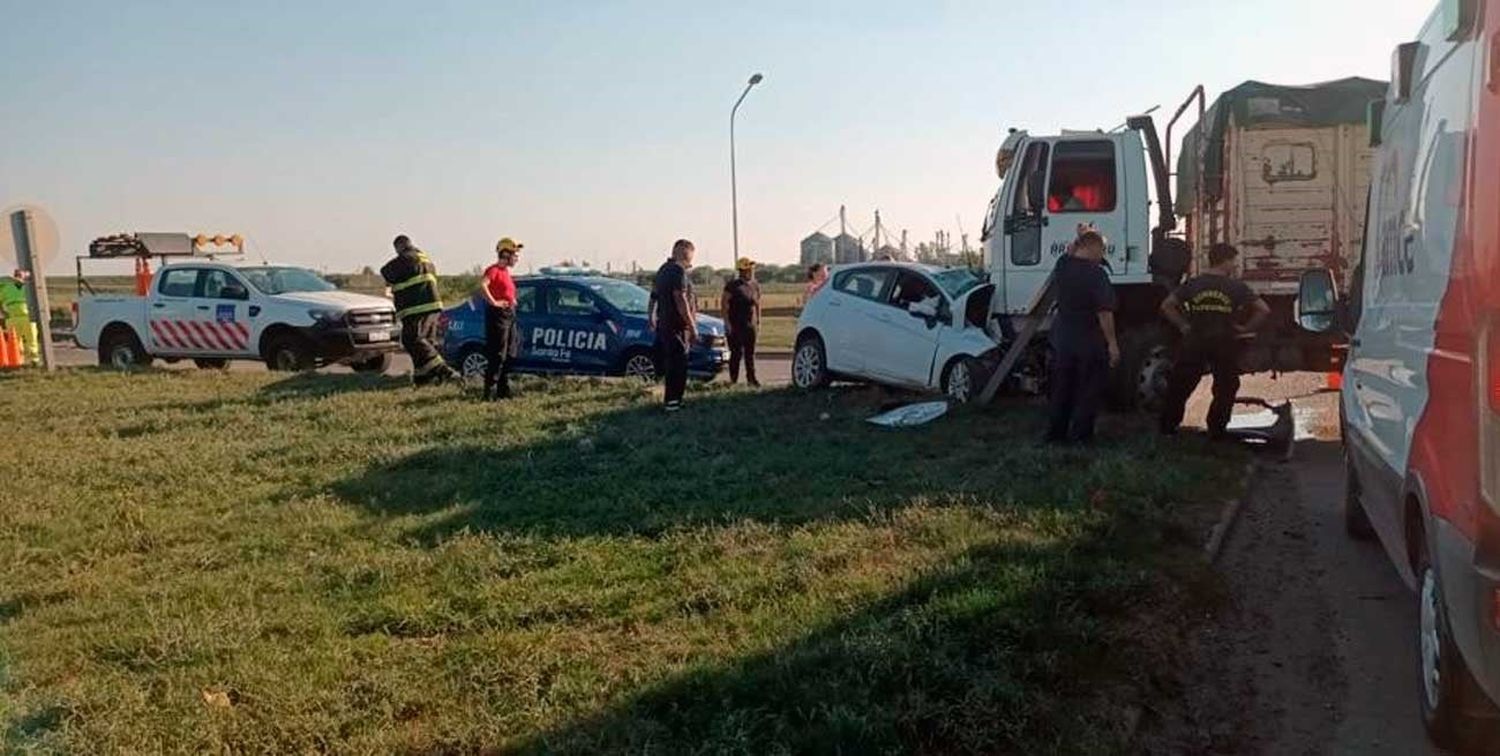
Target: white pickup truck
[{"x": 212, "y": 313}]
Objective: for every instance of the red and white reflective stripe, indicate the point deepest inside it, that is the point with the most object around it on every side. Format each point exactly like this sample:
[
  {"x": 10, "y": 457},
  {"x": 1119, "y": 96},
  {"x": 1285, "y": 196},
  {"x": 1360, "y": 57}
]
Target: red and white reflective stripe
[
  {"x": 201, "y": 335},
  {"x": 160, "y": 335}
]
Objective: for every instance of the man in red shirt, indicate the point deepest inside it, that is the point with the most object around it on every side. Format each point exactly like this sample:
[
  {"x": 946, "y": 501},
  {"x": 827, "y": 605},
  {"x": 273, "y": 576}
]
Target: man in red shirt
[{"x": 501, "y": 339}]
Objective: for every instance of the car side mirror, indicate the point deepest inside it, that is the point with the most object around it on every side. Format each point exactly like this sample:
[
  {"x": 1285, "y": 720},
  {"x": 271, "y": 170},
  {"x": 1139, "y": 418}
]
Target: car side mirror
[
  {"x": 1317, "y": 301},
  {"x": 234, "y": 292}
]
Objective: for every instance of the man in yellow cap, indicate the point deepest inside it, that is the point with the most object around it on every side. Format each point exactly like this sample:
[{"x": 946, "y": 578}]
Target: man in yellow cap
[
  {"x": 502, "y": 341},
  {"x": 16, "y": 314},
  {"x": 741, "y": 306}
]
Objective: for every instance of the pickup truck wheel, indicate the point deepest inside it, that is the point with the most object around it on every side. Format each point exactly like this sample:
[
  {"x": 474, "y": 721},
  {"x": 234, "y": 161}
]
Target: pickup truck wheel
[
  {"x": 211, "y": 363},
  {"x": 375, "y": 364},
  {"x": 289, "y": 354},
  {"x": 121, "y": 350},
  {"x": 810, "y": 363},
  {"x": 1450, "y": 698},
  {"x": 1356, "y": 520}
]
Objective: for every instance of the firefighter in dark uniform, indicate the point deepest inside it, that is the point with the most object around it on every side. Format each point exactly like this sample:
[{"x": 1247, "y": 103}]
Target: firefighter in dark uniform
[
  {"x": 1216, "y": 313},
  {"x": 413, "y": 283},
  {"x": 502, "y": 341},
  {"x": 1084, "y": 348}
]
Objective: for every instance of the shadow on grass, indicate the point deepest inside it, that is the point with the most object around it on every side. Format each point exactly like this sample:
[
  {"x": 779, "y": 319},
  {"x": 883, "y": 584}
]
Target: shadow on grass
[
  {"x": 313, "y": 385},
  {"x": 731, "y": 456},
  {"x": 1012, "y": 648}
]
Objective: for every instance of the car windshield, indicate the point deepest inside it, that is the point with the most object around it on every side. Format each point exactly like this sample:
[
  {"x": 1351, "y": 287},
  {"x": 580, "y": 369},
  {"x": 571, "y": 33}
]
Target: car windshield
[
  {"x": 957, "y": 281},
  {"x": 273, "y": 281},
  {"x": 624, "y": 296}
]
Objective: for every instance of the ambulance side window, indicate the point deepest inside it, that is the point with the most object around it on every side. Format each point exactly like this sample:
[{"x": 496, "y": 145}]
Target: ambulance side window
[{"x": 526, "y": 299}]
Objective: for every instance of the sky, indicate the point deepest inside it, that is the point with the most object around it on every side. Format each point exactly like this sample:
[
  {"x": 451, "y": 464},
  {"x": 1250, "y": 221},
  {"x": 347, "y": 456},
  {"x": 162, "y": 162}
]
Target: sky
[{"x": 596, "y": 131}]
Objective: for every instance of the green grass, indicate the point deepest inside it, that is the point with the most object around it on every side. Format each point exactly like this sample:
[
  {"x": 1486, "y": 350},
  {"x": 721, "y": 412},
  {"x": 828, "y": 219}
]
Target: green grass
[{"x": 206, "y": 562}]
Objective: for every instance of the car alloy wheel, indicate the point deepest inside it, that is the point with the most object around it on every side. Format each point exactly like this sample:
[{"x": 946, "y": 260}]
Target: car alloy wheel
[
  {"x": 960, "y": 382},
  {"x": 640, "y": 367},
  {"x": 807, "y": 367},
  {"x": 1432, "y": 642},
  {"x": 474, "y": 365},
  {"x": 122, "y": 357}
]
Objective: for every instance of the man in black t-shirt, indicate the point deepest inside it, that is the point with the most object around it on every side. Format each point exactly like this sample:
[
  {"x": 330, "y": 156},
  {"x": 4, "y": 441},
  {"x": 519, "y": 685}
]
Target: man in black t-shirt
[
  {"x": 1210, "y": 310},
  {"x": 1084, "y": 349},
  {"x": 741, "y": 305},
  {"x": 674, "y": 320}
]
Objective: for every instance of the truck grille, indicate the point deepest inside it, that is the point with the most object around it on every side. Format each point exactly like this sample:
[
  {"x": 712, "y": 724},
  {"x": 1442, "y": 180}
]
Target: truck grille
[{"x": 371, "y": 318}]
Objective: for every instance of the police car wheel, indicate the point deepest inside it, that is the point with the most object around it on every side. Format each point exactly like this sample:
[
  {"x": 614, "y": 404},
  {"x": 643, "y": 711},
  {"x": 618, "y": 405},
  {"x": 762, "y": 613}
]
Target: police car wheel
[
  {"x": 810, "y": 364},
  {"x": 640, "y": 366},
  {"x": 472, "y": 364}
]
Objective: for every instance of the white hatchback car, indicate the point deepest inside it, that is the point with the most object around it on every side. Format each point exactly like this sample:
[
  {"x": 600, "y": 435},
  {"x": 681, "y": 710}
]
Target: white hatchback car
[{"x": 898, "y": 324}]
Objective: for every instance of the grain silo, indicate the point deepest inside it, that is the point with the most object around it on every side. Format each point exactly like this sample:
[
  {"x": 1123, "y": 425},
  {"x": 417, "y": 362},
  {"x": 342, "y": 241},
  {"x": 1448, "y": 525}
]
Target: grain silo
[{"x": 817, "y": 248}]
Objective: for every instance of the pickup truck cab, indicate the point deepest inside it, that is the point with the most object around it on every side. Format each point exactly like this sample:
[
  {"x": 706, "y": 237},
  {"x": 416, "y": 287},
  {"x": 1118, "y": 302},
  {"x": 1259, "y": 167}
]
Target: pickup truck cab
[{"x": 212, "y": 313}]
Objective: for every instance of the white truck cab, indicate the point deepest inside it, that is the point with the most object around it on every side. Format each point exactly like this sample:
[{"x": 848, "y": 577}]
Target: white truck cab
[{"x": 212, "y": 312}]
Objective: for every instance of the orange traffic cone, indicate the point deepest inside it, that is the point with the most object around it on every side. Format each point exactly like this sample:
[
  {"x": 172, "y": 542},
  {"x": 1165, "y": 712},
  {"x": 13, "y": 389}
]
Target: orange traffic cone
[
  {"x": 9, "y": 351},
  {"x": 1335, "y": 382}
]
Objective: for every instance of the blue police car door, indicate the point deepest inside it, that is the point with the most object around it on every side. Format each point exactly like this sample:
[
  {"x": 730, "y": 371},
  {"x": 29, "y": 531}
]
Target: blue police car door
[
  {"x": 528, "y": 319},
  {"x": 577, "y": 334}
]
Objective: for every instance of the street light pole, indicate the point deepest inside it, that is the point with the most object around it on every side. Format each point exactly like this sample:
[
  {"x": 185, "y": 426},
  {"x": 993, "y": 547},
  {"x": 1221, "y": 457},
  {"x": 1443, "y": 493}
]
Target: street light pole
[{"x": 734, "y": 184}]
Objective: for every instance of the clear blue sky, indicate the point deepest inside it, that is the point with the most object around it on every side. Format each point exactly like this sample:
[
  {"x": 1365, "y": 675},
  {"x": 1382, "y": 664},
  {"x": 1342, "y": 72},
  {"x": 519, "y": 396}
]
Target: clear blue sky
[{"x": 596, "y": 130}]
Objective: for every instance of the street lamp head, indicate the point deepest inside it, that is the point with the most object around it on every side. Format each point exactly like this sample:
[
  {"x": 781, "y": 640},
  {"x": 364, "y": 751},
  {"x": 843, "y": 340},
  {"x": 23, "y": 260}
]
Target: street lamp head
[{"x": 756, "y": 79}]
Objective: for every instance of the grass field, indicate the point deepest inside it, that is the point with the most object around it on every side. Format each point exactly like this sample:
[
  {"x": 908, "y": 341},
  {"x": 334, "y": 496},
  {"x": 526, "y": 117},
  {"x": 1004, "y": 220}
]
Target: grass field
[{"x": 205, "y": 562}]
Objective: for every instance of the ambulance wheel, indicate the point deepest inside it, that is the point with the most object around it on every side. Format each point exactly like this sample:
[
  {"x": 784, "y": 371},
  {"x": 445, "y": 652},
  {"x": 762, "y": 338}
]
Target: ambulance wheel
[
  {"x": 1146, "y": 363},
  {"x": 375, "y": 364},
  {"x": 1451, "y": 701},
  {"x": 289, "y": 353},
  {"x": 639, "y": 364},
  {"x": 211, "y": 363},
  {"x": 810, "y": 363},
  {"x": 472, "y": 363},
  {"x": 1356, "y": 520},
  {"x": 121, "y": 350}
]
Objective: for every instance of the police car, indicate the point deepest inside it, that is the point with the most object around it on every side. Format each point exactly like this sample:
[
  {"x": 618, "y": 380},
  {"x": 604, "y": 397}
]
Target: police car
[{"x": 578, "y": 325}]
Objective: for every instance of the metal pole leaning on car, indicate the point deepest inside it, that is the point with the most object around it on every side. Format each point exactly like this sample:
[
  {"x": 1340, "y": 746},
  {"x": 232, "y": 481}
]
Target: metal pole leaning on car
[
  {"x": 734, "y": 185},
  {"x": 1045, "y": 299},
  {"x": 28, "y": 259}
]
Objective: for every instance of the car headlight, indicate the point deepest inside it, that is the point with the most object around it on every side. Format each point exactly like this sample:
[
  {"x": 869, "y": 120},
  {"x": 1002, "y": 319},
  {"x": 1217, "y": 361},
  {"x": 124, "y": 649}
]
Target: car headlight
[
  {"x": 325, "y": 317},
  {"x": 709, "y": 340}
]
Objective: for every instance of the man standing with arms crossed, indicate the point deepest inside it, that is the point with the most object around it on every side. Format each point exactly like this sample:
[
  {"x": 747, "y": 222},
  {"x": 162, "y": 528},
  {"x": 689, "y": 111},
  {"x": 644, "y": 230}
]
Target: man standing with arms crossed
[
  {"x": 502, "y": 342},
  {"x": 674, "y": 320},
  {"x": 412, "y": 279},
  {"x": 1083, "y": 339},
  {"x": 1208, "y": 310},
  {"x": 741, "y": 306}
]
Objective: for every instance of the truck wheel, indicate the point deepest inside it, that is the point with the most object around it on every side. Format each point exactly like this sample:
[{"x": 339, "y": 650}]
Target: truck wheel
[
  {"x": 810, "y": 363},
  {"x": 1447, "y": 688},
  {"x": 211, "y": 363},
  {"x": 121, "y": 350},
  {"x": 1356, "y": 520},
  {"x": 288, "y": 353},
  {"x": 472, "y": 363},
  {"x": 376, "y": 364},
  {"x": 1146, "y": 363},
  {"x": 640, "y": 365}
]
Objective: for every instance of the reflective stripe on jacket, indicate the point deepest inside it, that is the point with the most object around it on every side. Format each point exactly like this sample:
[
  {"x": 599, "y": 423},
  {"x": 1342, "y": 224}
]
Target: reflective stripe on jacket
[{"x": 413, "y": 281}]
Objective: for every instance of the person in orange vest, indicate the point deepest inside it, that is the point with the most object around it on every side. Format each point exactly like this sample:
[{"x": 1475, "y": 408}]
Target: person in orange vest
[{"x": 16, "y": 313}]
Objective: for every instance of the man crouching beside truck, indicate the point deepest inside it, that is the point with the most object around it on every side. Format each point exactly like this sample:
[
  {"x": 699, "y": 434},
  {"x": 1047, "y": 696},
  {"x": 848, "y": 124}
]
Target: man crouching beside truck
[
  {"x": 1208, "y": 310},
  {"x": 413, "y": 283}
]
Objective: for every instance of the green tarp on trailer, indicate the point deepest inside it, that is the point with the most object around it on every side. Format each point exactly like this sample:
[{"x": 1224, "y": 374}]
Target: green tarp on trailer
[{"x": 1256, "y": 104}]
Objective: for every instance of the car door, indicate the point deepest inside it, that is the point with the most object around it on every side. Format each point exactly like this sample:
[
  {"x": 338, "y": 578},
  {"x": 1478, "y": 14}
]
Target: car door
[
  {"x": 221, "y": 314},
  {"x": 908, "y": 341},
  {"x": 857, "y": 299},
  {"x": 171, "y": 311},
  {"x": 579, "y": 330},
  {"x": 528, "y": 319}
]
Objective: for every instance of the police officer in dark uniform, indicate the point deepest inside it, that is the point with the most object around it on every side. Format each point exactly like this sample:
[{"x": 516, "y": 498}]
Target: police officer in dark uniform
[
  {"x": 412, "y": 279},
  {"x": 1210, "y": 310},
  {"x": 675, "y": 320},
  {"x": 1084, "y": 348}
]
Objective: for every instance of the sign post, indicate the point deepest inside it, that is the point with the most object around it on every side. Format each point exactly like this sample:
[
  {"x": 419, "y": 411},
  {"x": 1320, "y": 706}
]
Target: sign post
[{"x": 23, "y": 231}]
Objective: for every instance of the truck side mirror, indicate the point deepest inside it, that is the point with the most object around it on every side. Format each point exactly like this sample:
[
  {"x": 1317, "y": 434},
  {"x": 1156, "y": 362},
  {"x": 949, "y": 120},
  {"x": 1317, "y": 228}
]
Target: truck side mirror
[
  {"x": 1375, "y": 122},
  {"x": 1317, "y": 301}
]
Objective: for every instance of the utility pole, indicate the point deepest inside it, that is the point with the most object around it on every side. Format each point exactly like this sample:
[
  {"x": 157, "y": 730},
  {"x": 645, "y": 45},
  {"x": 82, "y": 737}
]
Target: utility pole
[
  {"x": 734, "y": 184},
  {"x": 22, "y": 229}
]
